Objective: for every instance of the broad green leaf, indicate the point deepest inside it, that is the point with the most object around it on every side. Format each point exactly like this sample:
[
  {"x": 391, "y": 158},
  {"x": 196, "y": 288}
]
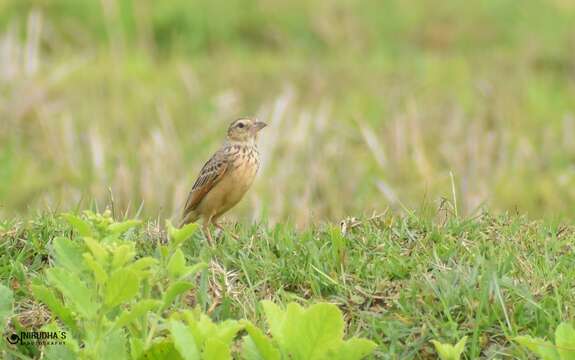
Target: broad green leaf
[
  {"x": 122, "y": 254},
  {"x": 81, "y": 226},
  {"x": 177, "y": 264},
  {"x": 215, "y": 349},
  {"x": 312, "y": 333},
  {"x": 275, "y": 317},
  {"x": 202, "y": 328},
  {"x": 138, "y": 310},
  {"x": 99, "y": 274},
  {"x": 565, "y": 341},
  {"x": 122, "y": 287},
  {"x": 99, "y": 252},
  {"x": 161, "y": 351},
  {"x": 184, "y": 341},
  {"x": 48, "y": 297},
  {"x": 113, "y": 346},
  {"x": 257, "y": 346},
  {"x": 142, "y": 265},
  {"x": 174, "y": 291},
  {"x": 122, "y": 227},
  {"x": 544, "y": 349},
  {"x": 191, "y": 270},
  {"x": 189, "y": 315},
  {"x": 353, "y": 349},
  {"x": 448, "y": 351},
  {"x": 68, "y": 255},
  {"x": 178, "y": 236},
  {"x": 77, "y": 294},
  {"x": 6, "y": 303},
  {"x": 226, "y": 331}
]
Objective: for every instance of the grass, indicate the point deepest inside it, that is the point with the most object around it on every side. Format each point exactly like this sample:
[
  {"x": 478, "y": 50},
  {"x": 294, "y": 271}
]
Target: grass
[{"x": 400, "y": 280}]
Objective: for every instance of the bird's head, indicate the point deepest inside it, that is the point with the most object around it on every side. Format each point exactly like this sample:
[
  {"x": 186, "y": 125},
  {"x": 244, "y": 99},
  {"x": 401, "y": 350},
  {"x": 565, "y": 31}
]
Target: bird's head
[{"x": 245, "y": 129}]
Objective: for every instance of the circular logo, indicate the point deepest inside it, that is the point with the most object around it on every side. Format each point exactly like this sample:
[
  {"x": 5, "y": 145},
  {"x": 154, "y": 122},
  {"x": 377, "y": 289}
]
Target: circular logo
[{"x": 13, "y": 339}]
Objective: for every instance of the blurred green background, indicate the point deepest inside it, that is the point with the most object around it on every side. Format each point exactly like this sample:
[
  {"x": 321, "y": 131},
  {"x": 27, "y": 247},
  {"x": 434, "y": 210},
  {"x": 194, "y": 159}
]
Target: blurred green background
[{"x": 371, "y": 104}]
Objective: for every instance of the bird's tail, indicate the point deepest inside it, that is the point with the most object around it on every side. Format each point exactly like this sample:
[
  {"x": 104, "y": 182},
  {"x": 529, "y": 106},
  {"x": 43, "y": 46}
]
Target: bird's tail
[{"x": 187, "y": 218}]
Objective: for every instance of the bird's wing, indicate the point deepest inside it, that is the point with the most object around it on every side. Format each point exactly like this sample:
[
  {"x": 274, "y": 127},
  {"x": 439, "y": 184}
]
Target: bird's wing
[{"x": 211, "y": 173}]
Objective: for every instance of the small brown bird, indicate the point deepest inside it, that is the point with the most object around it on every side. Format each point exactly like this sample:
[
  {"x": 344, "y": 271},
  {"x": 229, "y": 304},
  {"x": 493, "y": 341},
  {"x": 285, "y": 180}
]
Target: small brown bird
[{"x": 225, "y": 178}]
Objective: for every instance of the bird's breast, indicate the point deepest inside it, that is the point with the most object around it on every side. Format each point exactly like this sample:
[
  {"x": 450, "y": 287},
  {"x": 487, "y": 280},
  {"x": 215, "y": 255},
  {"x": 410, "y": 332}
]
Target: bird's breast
[
  {"x": 233, "y": 186},
  {"x": 244, "y": 167}
]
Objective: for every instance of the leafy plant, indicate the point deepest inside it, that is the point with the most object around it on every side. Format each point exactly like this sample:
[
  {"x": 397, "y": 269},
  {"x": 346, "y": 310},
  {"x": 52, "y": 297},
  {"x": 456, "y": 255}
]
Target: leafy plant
[
  {"x": 313, "y": 333},
  {"x": 448, "y": 351},
  {"x": 563, "y": 349},
  {"x": 196, "y": 336},
  {"x": 110, "y": 300}
]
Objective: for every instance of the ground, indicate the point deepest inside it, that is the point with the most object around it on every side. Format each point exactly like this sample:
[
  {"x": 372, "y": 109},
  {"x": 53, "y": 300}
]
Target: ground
[{"x": 400, "y": 280}]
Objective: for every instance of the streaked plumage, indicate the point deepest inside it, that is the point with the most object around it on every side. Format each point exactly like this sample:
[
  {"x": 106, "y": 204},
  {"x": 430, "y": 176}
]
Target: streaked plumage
[{"x": 226, "y": 176}]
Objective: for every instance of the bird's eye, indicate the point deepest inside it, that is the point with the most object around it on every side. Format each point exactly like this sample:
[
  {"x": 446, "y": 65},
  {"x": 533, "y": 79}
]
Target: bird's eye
[{"x": 241, "y": 125}]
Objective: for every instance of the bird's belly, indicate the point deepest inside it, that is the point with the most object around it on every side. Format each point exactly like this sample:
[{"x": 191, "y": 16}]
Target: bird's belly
[{"x": 229, "y": 191}]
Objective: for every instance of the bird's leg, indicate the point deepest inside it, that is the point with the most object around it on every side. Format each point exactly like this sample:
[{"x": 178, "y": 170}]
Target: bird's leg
[
  {"x": 219, "y": 229},
  {"x": 223, "y": 230},
  {"x": 206, "y": 231}
]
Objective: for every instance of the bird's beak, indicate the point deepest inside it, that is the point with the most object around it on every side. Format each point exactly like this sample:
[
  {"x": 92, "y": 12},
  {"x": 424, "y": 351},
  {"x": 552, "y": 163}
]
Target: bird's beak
[{"x": 259, "y": 125}]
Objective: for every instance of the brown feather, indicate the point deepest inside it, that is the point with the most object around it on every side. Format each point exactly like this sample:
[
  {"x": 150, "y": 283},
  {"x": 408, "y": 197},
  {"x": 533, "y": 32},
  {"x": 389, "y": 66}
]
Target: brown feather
[{"x": 211, "y": 173}]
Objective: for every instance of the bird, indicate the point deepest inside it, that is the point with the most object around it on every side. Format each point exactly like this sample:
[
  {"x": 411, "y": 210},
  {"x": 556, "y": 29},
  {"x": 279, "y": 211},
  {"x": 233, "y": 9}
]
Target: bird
[{"x": 225, "y": 177}]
